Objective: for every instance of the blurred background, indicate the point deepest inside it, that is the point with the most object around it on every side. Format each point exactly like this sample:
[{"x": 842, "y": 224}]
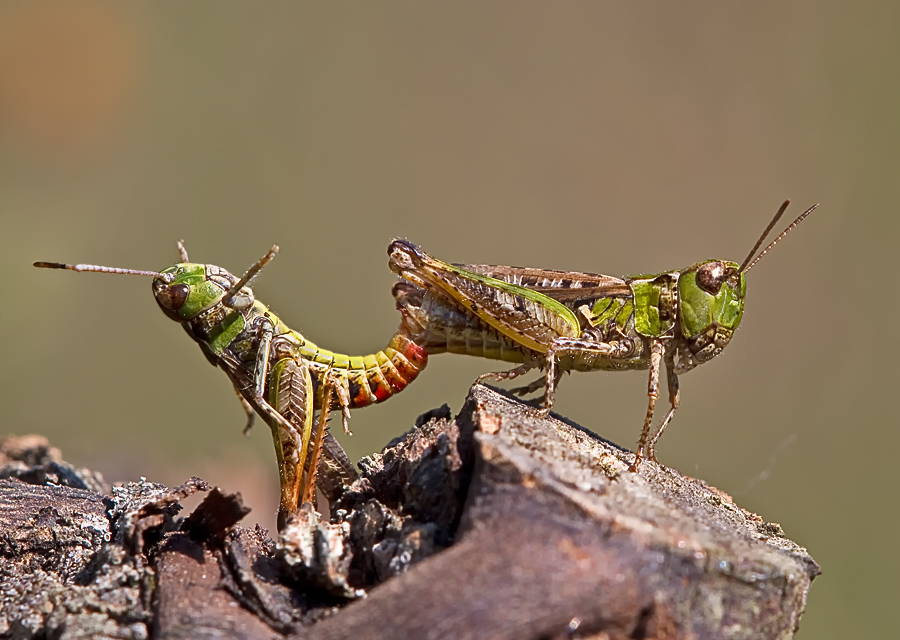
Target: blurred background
[{"x": 617, "y": 138}]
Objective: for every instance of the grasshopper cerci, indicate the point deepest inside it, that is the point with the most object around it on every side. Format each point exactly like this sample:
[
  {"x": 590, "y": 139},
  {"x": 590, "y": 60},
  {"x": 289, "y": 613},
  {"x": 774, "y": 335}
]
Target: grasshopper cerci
[
  {"x": 277, "y": 372},
  {"x": 564, "y": 321}
]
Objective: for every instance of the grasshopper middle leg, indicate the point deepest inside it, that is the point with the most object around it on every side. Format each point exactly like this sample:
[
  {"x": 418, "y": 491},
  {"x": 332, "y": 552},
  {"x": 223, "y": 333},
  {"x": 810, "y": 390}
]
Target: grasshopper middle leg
[
  {"x": 613, "y": 349},
  {"x": 647, "y": 443}
]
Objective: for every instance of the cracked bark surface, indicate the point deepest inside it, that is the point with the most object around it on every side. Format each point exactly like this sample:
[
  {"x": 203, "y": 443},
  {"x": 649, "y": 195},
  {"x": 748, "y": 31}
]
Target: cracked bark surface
[{"x": 495, "y": 524}]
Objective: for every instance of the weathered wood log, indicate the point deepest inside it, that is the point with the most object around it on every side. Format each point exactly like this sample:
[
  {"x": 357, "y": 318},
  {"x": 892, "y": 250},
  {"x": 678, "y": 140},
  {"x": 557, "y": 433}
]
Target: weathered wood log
[{"x": 498, "y": 524}]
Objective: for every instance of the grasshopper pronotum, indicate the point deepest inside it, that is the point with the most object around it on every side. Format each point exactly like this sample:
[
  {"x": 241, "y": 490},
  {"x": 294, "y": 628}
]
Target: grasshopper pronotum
[
  {"x": 563, "y": 321},
  {"x": 277, "y": 372}
]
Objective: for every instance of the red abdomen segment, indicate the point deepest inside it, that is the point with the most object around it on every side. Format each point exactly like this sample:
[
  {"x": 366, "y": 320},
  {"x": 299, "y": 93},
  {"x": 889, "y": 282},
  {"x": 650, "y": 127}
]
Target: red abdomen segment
[{"x": 385, "y": 373}]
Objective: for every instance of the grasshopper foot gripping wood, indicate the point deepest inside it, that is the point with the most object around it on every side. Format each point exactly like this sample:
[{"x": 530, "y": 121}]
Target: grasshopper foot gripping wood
[
  {"x": 571, "y": 321},
  {"x": 276, "y": 372}
]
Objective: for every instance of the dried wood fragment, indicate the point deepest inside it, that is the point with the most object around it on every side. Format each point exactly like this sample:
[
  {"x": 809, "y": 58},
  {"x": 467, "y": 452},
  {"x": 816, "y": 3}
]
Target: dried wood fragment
[
  {"x": 558, "y": 539},
  {"x": 496, "y": 524}
]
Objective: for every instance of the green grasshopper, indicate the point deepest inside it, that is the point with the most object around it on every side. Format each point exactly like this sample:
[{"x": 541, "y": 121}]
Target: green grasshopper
[
  {"x": 276, "y": 372},
  {"x": 564, "y": 321}
]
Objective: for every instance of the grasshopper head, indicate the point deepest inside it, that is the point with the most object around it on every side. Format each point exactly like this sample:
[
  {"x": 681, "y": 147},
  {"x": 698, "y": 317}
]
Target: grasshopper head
[
  {"x": 710, "y": 305},
  {"x": 711, "y": 296},
  {"x": 186, "y": 289}
]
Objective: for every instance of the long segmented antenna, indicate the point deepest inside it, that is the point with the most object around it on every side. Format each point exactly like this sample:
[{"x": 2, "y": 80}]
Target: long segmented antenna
[
  {"x": 166, "y": 277},
  {"x": 762, "y": 238},
  {"x": 781, "y": 235},
  {"x": 251, "y": 273},
  {"x": 182, "y": 252}
]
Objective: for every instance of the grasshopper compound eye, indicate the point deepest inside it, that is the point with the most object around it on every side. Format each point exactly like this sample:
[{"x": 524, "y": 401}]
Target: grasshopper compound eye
[
  {"x": 170, "y": 296},
  {"x": 711, "y": 276}
]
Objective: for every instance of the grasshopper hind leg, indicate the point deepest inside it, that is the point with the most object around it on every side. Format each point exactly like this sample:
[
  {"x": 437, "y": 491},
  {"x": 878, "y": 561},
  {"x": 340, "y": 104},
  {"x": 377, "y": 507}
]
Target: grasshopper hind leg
[
  {"x": 311, "y": 464},
  {"x": 506, "y": 375},
  {"x": 538, "y": 384},
  {"x": 336, "y": 471}
]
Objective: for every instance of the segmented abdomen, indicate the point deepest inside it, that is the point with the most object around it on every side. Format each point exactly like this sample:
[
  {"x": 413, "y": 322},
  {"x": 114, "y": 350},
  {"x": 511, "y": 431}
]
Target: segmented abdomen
[
  {"x": 441, "y": 326},
  {"x": 366, "y": 379}
]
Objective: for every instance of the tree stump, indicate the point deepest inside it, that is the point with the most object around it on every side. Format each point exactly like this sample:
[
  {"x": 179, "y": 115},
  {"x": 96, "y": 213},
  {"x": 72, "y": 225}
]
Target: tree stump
[{"x": 498, "y": 524}]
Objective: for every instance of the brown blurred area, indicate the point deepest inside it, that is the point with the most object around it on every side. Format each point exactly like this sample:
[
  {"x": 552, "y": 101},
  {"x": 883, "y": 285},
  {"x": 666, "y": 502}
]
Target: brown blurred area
[
  {"x": 68, "y": 72},
  {"x": 618, "y": 138}
]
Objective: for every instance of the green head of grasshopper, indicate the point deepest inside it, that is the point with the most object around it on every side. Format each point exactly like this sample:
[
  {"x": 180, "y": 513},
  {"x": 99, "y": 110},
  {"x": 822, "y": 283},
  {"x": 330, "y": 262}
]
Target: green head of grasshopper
[
  {"x": 711, "y": 292},
  {"x": 710, "y": 305},
  {"x": 711, "y": 296},
  {"x": 185, "y": 290},
  {"x": 208, "y": 301}
]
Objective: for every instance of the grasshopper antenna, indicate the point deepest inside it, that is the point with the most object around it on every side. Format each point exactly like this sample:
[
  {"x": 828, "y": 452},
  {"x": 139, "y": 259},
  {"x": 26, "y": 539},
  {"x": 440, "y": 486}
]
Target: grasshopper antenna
[
  {"x": 747, "y": 265},
  {"x": 762, "y": 238},
  {"x": 256, "y": 267},
  {"x": 182, "y": 252},
  {"x": 166, "y": 277}
]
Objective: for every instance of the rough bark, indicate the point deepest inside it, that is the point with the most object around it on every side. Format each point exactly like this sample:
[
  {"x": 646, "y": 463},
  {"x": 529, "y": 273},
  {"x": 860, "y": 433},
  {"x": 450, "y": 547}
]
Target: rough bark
[{"x": 498, "y": 524}]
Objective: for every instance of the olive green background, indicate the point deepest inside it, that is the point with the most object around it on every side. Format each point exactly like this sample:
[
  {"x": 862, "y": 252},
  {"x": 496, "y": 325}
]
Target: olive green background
[{"x": 608, "y": 137}]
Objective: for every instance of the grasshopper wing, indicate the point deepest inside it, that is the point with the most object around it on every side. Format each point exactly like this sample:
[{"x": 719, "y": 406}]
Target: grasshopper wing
[
  {"x": 529, "y": 317},
  {"x": 563, "y": 286}
]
